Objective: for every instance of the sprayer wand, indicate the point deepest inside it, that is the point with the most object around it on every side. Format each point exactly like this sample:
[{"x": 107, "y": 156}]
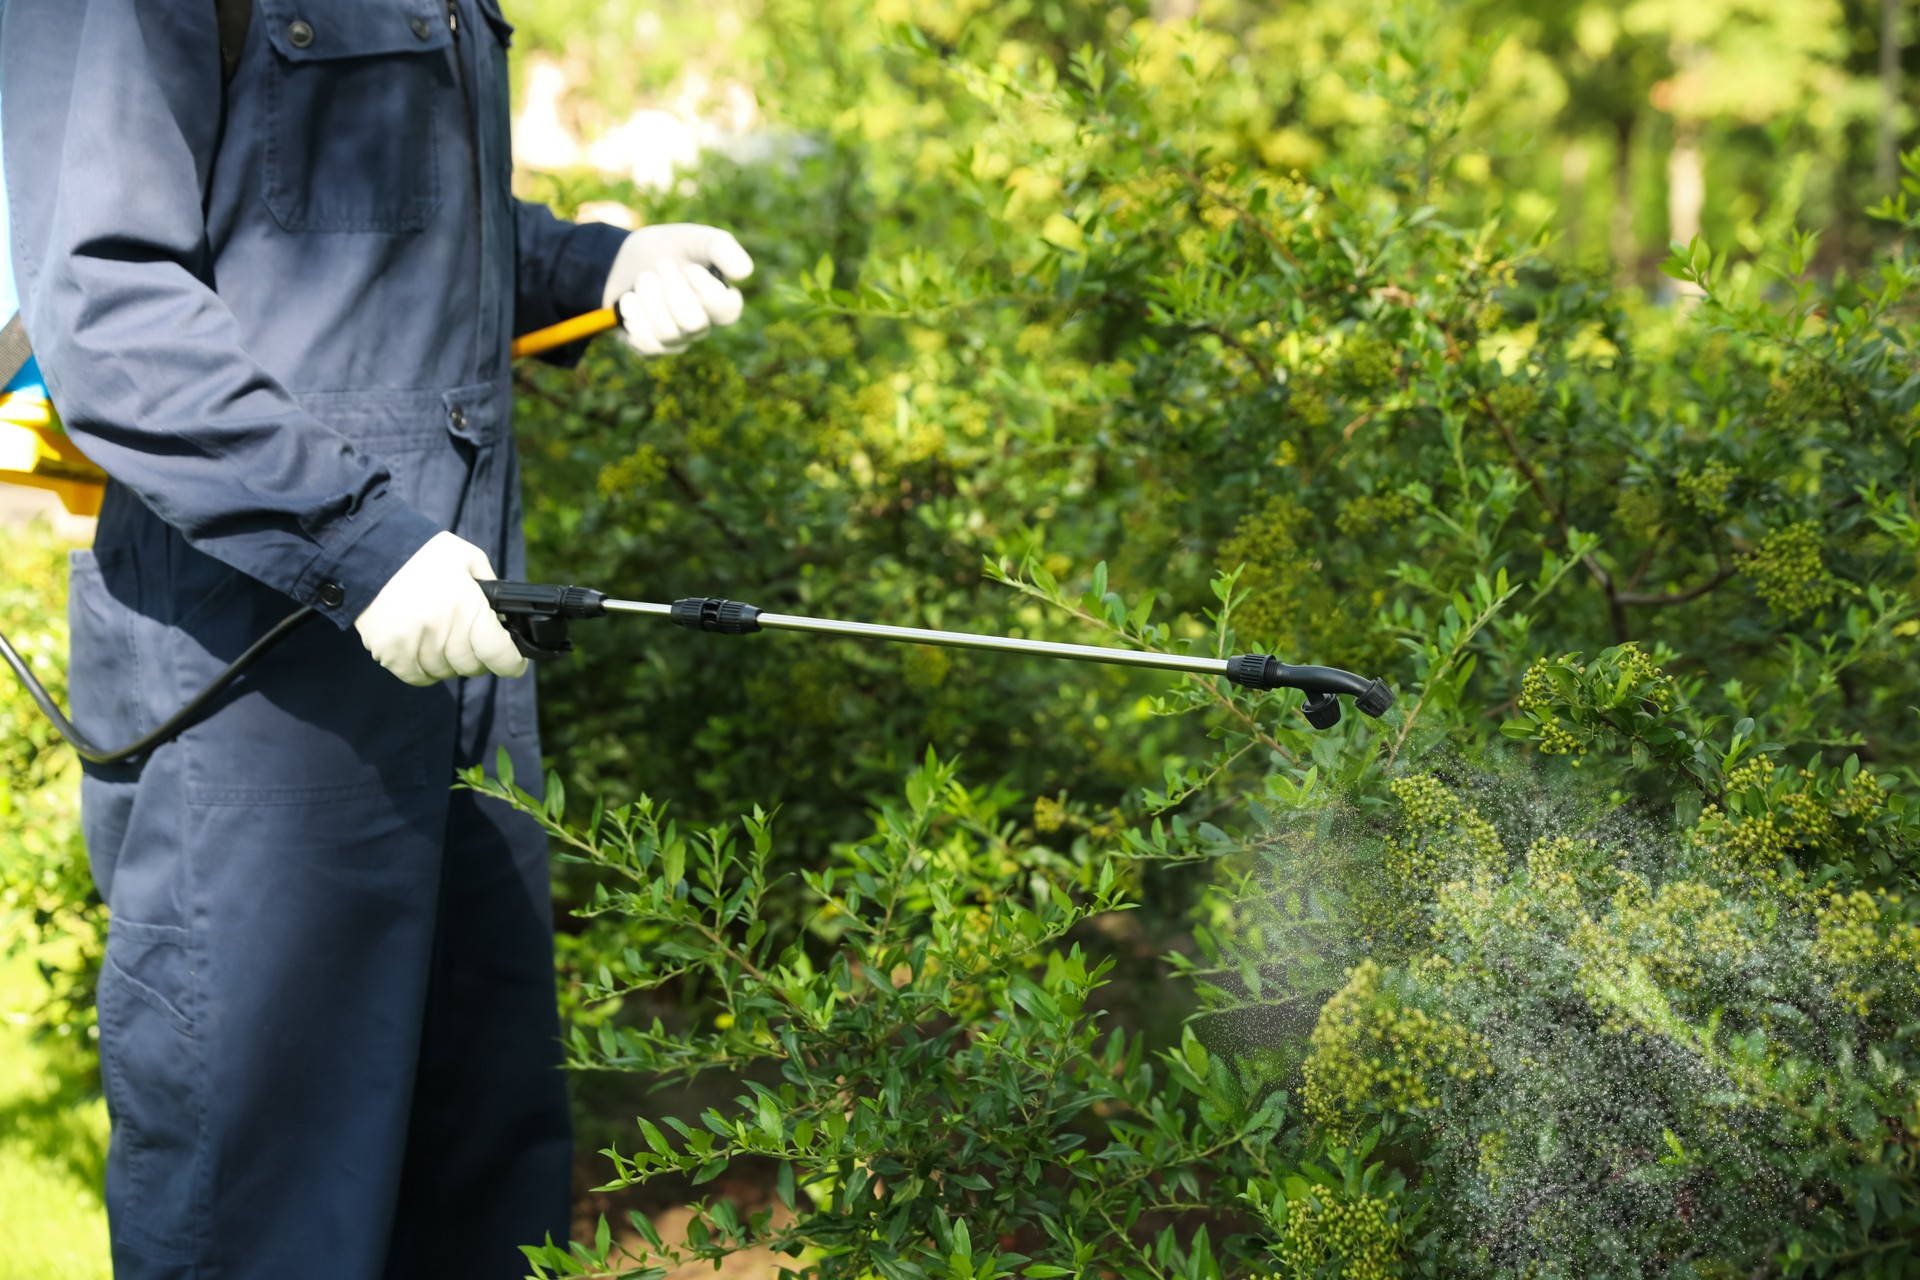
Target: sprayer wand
[
  {"x": 538, "y": 615},
  {"x": 538, "y": 618}
]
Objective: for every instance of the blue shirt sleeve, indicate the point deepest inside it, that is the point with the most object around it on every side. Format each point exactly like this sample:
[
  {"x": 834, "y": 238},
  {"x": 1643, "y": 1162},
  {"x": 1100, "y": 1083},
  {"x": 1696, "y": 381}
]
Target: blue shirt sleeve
[
  {"x": 560, "y": 270},
  {"x": 111, "y": 125}
]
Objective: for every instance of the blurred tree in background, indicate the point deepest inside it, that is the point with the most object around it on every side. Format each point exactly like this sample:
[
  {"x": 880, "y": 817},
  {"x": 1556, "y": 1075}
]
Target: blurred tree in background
[{"x": 1617, "y": 126}]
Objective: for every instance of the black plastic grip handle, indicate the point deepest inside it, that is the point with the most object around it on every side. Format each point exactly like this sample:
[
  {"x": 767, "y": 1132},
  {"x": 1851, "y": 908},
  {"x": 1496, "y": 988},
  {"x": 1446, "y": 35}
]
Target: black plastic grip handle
[
  {"x": 540, "y": 600},
  {"x": 536, "y": 614}
]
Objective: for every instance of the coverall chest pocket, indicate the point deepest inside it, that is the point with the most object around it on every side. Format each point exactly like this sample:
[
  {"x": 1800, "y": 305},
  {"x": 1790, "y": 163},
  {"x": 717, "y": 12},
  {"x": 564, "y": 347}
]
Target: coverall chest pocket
[
  {"x": 356, "y": 92},
  {"x": 502, "y": 29}
]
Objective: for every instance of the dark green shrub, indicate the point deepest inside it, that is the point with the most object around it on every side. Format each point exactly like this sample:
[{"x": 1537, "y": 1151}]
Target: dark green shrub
[
  {"x": 1352, "y": 420},
  {"x": 48, "y": 909},
  {"x": 1615, "y": 1047},
  {"x": 944, "y": 1102}
]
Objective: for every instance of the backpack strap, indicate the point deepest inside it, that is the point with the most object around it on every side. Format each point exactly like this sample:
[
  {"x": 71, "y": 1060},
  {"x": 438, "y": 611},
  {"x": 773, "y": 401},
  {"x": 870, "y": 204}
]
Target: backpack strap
[
  {"x": 15, "y": 350},
  {"x": 235, "y": 17}
]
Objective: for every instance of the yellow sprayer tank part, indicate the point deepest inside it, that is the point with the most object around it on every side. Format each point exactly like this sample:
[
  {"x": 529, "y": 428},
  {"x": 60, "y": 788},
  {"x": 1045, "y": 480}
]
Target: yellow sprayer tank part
[{"x": 35, "y": 452}]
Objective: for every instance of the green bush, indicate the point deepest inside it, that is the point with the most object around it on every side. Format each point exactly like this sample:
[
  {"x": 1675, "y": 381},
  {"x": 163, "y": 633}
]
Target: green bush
[
  {"x": 1564, "y": 968},
  {"x": 1070, "y": 312},
  {"x": 1616, "y": 1045},
  {"x": 941, "y": 1098},
  {"x": 49, "y": 912}
]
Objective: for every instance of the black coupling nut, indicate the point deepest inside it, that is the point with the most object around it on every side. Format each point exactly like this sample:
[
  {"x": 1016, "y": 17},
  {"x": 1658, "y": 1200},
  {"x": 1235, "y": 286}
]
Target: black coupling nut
[
  {"x": 1375, "y": 701},
  {"x": 582, "y": 602},
  {"x": 727, "y": 617},
  {"x": 1252, "y": 670}
]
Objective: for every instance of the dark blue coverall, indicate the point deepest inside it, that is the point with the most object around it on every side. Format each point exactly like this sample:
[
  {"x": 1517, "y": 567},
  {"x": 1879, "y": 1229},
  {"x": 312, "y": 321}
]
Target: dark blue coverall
[{"x": 277, "y": 314}]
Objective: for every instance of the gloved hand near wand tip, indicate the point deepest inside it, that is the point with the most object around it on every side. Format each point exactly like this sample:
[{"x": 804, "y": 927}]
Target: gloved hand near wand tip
[
  {"x": 431, "y": 621},
  {"x": 664, "y": 292}
]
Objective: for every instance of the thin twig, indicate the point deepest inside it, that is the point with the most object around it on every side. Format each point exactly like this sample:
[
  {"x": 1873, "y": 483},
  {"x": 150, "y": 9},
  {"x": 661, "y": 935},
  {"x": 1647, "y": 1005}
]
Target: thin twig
[{"x": 1724, "y": 572}]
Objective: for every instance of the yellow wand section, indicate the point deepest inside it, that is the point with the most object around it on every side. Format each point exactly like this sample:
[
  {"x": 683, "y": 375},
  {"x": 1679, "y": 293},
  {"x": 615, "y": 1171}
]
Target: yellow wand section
[{"x": 559, "y": 335}]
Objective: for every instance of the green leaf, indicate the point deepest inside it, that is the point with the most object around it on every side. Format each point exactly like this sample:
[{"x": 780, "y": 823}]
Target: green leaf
[
  {"x": 783, "y": 1185},
  {"x": 767, "y": 1112},
  {"x": 1194, "y": 1052}
]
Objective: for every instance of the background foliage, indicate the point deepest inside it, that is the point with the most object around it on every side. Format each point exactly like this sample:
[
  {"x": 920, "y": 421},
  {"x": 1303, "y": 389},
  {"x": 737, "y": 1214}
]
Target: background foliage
[{"x": 1334, "y": 330}]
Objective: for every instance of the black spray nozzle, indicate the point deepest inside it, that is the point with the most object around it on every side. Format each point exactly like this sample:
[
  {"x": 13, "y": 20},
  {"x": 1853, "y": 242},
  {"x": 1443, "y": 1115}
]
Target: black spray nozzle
[
  {"x": 536, "y": 614},
  {"x": 1322, "y": 710},
  {"x": 1321, "y": 684},
  {"x": 1375, "y": 700}
]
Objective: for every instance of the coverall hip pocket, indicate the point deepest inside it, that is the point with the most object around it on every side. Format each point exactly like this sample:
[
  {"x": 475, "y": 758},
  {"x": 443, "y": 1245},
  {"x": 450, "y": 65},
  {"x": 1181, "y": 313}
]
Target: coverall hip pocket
[
  {"x": 155, "y": 1086},
  {"x": 315, "y": 722},
  {"x": 104, "y": 669},
  {"x": 353, "y": 100}
]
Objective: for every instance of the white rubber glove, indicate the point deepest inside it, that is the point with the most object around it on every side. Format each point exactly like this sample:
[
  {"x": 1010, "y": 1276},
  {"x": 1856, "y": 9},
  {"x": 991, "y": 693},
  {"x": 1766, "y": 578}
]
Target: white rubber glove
[
  {"x": 666, "y": 296},
  {"x": 430, "y": 620}
]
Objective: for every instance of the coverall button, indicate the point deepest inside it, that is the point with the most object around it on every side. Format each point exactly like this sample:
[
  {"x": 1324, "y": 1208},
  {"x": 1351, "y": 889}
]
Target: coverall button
[
  {"x": 421, "y": 28},
  {"x": 458, "y": 417},
  {"x": 332, "y": 595},
  {"x": 299, "y": 34}
]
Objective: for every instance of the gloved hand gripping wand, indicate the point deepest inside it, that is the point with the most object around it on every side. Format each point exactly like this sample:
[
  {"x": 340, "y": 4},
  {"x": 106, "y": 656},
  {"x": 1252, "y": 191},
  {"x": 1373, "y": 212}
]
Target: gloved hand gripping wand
[
  {"x": 538, "y": 616},
  {"x": 577, "y": 329}
]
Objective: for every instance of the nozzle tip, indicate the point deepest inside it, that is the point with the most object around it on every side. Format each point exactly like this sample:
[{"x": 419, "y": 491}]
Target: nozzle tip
[
  {"x": 1322, "y": 710},
  {"x": 1375, "y": 701}
]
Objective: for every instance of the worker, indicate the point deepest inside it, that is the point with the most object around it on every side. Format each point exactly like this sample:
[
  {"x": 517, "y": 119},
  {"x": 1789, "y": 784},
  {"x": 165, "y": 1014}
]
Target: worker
[{"x": 272, "y": 285}]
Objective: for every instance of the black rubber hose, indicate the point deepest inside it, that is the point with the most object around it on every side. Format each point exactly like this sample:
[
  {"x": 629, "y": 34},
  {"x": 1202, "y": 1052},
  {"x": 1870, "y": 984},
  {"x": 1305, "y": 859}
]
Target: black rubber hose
[
  {"x": 1317, "y": 679},
  {"x": 1371, "y": 697},
  {"x": 181, "y": 720}
]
